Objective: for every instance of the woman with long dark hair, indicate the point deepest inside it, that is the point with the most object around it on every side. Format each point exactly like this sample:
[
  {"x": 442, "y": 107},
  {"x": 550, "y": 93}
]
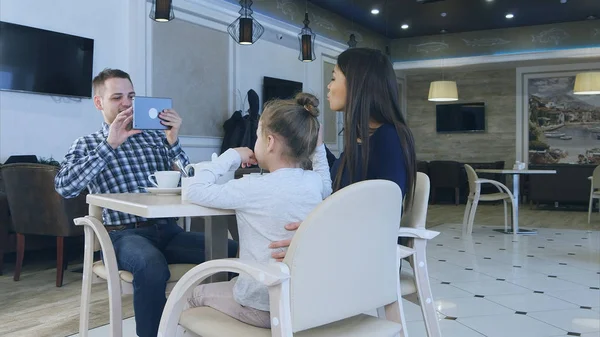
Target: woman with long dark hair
[{"x": 377, "y": 142}]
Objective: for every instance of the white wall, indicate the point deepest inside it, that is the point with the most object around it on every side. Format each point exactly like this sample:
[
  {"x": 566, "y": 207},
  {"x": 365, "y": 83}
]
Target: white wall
[{"x": 37, "y": 124}]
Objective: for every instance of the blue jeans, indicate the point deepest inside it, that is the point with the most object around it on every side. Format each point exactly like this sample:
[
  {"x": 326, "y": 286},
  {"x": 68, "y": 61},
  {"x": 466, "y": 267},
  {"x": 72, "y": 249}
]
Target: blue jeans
[{"x": 146, "y": 253}]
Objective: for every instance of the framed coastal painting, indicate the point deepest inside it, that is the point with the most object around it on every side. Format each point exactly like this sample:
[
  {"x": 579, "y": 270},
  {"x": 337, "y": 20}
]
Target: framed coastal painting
[{"x": 563, "y": 127}]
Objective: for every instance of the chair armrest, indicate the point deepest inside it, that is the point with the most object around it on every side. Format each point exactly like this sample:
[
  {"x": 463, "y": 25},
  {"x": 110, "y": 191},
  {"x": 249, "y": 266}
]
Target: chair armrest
[
  {"x": 94, "y": 230},
  {"x": 417, "y": 233},
  {"x": 403, "y": 252},
  {"x": 498, "y": 184},
  {"x": 270, "y": 275}
]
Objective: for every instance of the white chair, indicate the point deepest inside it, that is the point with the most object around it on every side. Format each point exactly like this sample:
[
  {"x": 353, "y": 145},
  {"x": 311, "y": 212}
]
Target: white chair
[
  {"x": 119, "y": 281},
  {"x": 594, "y": 193},
  {"x": 417, "y": 280},
  {"x": 342, "y": 262},
  {"x": 475, "y": 196}
]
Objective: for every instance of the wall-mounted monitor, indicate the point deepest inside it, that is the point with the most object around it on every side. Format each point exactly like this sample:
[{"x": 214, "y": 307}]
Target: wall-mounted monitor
[
  {"x": 460, "y": 117},
  {"x": 279, "y": 88},
  {"x": 45, "y": 62}
]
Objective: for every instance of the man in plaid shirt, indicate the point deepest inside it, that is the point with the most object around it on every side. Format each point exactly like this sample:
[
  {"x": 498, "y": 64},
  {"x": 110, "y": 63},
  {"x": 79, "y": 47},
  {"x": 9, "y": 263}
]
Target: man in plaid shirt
[{"x": 117, "y": 159}]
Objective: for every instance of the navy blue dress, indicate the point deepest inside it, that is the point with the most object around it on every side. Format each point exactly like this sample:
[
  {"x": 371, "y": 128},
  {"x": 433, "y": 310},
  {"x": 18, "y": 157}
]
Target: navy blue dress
[{"x": 386, "y": 159}]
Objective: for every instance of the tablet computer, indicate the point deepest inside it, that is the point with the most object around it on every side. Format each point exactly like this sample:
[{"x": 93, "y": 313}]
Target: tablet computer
[{"x": 146, "y": 110}]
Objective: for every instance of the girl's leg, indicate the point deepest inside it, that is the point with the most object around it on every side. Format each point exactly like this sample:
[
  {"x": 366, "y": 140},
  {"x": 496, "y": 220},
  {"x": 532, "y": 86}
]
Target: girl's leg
[{"x": 219, "y": 296}]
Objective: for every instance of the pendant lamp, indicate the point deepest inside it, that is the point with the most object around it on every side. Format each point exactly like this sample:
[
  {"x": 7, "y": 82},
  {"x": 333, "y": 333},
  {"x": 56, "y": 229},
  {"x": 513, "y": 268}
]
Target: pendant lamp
[
  {"x": 162, "y": 10},
  {"x": 587, "y": 83},
  {"x": 306, "y": 38},
  {"x": 443, "y": 91},
  {"x": 245, "y": 30},
  {"x": 352, "y": 42}
]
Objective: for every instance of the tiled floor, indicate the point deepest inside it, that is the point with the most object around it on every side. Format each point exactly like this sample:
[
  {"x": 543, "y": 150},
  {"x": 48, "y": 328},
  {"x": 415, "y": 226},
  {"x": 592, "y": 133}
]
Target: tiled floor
[{"x": 487, "y": 285}]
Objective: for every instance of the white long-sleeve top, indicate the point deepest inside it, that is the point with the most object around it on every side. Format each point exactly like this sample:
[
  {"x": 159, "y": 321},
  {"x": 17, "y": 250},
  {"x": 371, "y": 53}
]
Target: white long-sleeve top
[{"x": 264, "y": 204}]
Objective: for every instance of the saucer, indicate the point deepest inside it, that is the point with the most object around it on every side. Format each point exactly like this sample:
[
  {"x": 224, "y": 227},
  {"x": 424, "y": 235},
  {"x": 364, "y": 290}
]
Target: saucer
[{"x": 156, "y": 190}]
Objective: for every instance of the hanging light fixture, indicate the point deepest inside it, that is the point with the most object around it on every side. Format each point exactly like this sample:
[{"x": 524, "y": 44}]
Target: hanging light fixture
[
  {"x": 443, "y": 91},
  {"x": 352, "y": 42},
  {"x": 307, "y": 42},
  {"x": 162, "y": 10},
  {"x": 245, "y": 30},
  {"x": 587, "y": 83}
]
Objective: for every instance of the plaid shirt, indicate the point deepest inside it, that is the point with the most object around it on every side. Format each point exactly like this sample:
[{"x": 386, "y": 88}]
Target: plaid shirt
[{"x": 94, "y": 164}]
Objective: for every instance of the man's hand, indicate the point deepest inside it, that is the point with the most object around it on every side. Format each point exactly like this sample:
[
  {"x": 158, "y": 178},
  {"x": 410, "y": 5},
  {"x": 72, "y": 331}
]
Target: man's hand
[
  {"x": 171, "y": 119},
  {"x": 119, "y": 130},
  {"x": 279, "y": 255},
  {"x": 247, "y": 155}
]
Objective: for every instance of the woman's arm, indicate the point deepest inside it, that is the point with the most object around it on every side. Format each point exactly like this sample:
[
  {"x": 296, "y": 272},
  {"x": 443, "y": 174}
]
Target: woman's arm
[{"x": 279, "y": 255}]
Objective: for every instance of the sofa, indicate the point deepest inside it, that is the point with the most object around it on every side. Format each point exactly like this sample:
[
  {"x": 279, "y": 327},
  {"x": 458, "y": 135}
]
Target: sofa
[
  {"x": 570, "y": 184},
  {"x": 449, "y": 179}
]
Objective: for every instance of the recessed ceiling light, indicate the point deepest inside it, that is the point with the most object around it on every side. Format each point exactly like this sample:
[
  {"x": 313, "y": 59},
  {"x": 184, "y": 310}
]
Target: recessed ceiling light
[
  {"x": 489, "y": 0},
  {"x": 404, "y": 26},
  {"x": 443, "y": 14},
  {"x": 563, "y": 1},
  {"x": 375, "y": 11},
  {"x": 510, "y": 15}
]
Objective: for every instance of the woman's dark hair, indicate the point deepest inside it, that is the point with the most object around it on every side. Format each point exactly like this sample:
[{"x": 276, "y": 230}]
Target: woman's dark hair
[
  {"x": 295, "y": 120},
  {"x": 372, "y": 95}
]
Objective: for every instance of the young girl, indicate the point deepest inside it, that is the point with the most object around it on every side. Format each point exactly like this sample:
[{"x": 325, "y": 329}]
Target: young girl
[{"x": 288, "y": 144}]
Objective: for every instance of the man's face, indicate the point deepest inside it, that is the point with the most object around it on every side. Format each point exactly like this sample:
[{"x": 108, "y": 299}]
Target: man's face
[{"x": 115, "y": 96}]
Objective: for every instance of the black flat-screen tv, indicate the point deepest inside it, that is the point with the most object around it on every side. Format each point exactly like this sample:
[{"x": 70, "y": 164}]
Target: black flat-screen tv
[
  {"x": 40, "y": 61},
  {"x": 460, "y": 117},
  {"x": 278, "y": 88}
]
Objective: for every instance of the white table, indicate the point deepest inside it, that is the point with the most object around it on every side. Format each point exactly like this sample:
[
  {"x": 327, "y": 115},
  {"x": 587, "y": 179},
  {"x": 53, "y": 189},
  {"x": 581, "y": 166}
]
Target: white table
[
  {"x": 168, "y": 206},
  {"x": 515, "y": 227}
]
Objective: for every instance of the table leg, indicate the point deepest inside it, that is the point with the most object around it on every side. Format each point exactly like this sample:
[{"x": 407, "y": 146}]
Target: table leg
[
  {"x": 515, "y": 226},
  {"x": 514, "y": 229},
  {"x": 215, "y": 231}
]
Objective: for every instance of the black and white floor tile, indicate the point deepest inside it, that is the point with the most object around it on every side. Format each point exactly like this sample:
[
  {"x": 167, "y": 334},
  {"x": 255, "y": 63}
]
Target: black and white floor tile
[{"x": 542, "y": 285}]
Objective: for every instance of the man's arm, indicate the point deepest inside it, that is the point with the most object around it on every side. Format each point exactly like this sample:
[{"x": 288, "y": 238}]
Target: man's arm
[
  {"x": 80, "y": 168},
  {"x": 172, "y": 119}
]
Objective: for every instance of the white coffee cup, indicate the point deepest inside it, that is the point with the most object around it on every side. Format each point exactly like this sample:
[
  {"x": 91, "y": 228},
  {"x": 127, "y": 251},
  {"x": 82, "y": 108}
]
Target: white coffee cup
[{"x": 165, "y": 179}]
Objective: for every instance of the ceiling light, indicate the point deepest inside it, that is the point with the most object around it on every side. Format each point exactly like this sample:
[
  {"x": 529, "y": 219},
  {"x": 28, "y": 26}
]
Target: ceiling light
[
  {"x": 489, "y": 0},
  {"x": 245, "y": 30},
  {"x": 404, "y": 26},
  {"x": 510, "y": 15},
  {"x": 587, "y": 83},
  {"x": 162, "y": 11},
  {"x": 443, "y": 91},
  {"x": 307, "y": 42},
  {"x": 374, "y": 11},
  {"x": 563, "y": 1},
  {"x": 444, "y": 14}
]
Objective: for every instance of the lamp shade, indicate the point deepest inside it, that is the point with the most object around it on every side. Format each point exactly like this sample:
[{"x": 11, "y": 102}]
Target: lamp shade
[
  {"x": 162, "y": 11},
  {"x": 352, "y": 41},
  {"x": 443, "y": 91},
  {"x": 587, "y": 83},
  {"x": 245, "y": 30},
  {"x": 306, "y": 38}
]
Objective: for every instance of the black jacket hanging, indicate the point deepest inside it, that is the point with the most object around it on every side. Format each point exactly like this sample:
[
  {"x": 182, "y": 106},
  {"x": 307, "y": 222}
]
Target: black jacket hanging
[{"x": 240, "y": 131}]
